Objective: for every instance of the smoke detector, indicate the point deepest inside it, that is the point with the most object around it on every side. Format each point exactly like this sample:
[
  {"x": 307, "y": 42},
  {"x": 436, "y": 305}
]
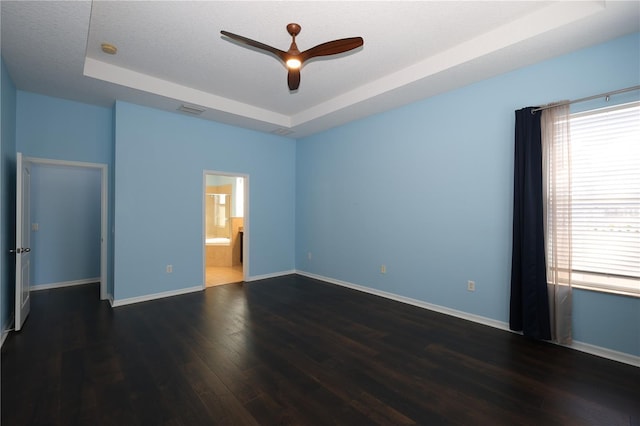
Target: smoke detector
[{"x": 109, "y": 48}]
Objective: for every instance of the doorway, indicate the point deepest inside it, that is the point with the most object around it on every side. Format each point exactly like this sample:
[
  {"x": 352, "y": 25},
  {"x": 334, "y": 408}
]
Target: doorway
[
  {"x": 59, "y": 179},
  {"x": 224, "y": 228}
]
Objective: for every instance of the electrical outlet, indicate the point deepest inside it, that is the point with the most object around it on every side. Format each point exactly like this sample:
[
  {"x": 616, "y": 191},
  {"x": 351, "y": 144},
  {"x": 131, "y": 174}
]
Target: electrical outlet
[
  {"x": 169, "y": 269},
  {"x": 35, "y": 226},
  {"x": 471, "y": 285},
  {"x": 309, "y": 255},
  {"x": 383, "y": 269}
]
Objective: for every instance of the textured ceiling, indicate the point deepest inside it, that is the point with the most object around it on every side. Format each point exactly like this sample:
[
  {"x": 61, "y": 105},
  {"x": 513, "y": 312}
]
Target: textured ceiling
[{"x": 172, "y": 52}]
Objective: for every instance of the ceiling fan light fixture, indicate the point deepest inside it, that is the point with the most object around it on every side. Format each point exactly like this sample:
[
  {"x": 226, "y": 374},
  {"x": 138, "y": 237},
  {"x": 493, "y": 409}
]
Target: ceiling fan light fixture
[
  {"x": 294, "y": 63},
  {"x": 293, "y": 58}
]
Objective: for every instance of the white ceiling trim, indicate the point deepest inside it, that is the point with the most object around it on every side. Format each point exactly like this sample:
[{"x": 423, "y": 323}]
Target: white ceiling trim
[
  {"x": 538, "y": 22},
  {"x": 182, "y": 94},
  {"x": 534, "y": 24},
  {"x": 413, "y": 51}
]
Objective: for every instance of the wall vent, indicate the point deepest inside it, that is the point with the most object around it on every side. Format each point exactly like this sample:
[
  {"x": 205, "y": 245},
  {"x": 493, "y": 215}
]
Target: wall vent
[
  {"x": 281, "y": 131},
  {"x": 191, "y": 109}
]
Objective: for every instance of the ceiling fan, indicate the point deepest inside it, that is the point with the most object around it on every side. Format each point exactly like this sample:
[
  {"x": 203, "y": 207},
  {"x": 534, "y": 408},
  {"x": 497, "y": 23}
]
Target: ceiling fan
[{"x": 293, "y": 58}]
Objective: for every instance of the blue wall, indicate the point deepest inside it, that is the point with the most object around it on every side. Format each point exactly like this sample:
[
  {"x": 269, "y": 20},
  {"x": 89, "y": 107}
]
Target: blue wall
[
  {"x": 7, "y": 194},
  {"x": 65, "y": 203},
  {"x": 59, "y": 129},
  {"x": 427, "y": 190},
  {"x": 159, "y": 164}
]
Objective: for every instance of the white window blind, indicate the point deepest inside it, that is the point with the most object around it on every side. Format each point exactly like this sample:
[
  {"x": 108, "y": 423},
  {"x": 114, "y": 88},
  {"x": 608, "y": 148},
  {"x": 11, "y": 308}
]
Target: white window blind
[{"x": 605, "y": 193}]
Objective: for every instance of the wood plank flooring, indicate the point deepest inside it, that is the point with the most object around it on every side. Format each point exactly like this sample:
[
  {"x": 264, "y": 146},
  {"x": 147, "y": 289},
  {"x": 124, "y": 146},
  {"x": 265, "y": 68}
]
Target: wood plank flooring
[{"x": 292, "y": 350}]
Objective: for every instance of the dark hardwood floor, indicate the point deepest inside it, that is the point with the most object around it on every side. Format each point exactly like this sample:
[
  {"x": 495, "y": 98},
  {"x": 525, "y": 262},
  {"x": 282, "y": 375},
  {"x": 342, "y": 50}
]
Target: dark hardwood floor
[{"x": 292, "y": 350}]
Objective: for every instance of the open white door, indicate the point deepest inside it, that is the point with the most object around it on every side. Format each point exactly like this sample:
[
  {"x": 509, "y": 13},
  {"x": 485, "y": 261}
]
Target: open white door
[{"x": 23, "y": 240}]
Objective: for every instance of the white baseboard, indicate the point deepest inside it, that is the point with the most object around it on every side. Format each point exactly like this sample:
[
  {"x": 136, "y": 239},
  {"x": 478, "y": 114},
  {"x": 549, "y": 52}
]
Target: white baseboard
[
  {"x": 64, "y": 284},
  {"x": 147, "y": 297},
  {"x": 273, "y": 275},
  {"x": 605, "y": 353},
  {"x": 580, "y": 346},
  {"x": 415, "y": 302}
]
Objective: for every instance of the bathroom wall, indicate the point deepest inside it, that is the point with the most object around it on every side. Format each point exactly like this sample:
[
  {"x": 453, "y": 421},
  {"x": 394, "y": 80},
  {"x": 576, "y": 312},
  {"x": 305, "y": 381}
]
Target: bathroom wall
[
  {"x": 218, "y": 180},
  {"x": 227, "y": 255},
  {"x": 213, "y": 230},
  {"x": 224, "y": 255},
  {"x": 237, "y": 223}
]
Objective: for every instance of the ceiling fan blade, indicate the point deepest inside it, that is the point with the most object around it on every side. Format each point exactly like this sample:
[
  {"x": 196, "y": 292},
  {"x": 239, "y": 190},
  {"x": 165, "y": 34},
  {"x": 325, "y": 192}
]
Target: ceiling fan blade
[
  {"x": 332, "y": 48},
  {"x": 294, "y": 79},
  {"x": 279, "y": 53}
]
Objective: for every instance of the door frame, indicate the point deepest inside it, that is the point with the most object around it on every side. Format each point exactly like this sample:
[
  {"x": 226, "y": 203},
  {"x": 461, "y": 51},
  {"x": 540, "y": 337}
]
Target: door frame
[
  {"x": 104, "y": 209},
  {"x": 246, "y": 224}
]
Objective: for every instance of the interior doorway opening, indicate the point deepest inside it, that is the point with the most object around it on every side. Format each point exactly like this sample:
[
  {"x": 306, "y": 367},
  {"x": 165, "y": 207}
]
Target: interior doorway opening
[
  {"x": 224, "y": 228},
  {"x": 55, "y": 183}
]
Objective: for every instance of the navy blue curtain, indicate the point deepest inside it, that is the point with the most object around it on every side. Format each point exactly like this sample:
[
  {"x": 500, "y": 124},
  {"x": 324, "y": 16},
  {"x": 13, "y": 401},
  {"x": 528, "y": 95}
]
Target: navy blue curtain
[{"x": 529, "y": 307}]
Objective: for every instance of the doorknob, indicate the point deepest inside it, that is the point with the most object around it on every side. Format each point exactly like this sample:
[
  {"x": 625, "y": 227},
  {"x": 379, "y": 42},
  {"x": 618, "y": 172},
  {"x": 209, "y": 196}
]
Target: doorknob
[{"x": 19, "y": 250}]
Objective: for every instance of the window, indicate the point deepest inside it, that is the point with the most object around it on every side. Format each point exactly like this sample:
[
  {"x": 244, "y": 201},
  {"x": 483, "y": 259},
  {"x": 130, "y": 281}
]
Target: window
[
  {"x": 217, "y": 215},
  {"x": 605, "y": 197}
]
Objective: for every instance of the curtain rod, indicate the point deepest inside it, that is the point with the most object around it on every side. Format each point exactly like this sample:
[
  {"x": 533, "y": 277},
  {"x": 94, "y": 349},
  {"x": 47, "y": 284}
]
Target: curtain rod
[{"x": 588, "y": 98}]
